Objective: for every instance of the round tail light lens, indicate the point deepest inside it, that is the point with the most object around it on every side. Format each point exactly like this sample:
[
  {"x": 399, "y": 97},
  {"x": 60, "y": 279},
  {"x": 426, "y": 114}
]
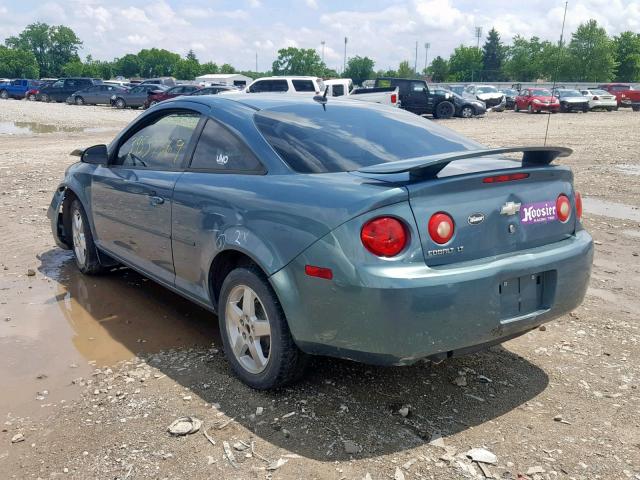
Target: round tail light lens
[
  {"x": 441, "y": 228},
  {"x": 384, "y": 236},
  {"x": 578, "y": 206},
  {"x": 563, "y": 208}
]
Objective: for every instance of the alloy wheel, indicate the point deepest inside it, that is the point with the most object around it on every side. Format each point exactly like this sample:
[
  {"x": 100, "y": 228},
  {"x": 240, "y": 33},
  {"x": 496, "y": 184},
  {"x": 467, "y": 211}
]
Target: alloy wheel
[
  {"x": 248, "y": 329},
  {"x": 79, "y": 241},
  {"x": 467, "y": 112}
]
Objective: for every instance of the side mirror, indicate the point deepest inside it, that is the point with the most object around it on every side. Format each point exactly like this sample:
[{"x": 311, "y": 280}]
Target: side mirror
[{"x": 96, "y": 155}]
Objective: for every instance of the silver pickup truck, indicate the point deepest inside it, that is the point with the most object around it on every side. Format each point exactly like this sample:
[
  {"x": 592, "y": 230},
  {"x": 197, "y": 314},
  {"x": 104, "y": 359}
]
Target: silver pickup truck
[{"x": 343, "y": 87}]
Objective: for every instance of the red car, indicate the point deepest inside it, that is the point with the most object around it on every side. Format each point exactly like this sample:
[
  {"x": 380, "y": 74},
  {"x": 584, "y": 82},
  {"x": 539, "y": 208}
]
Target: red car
[
  {"x": 625, "y": 94},
  {"x": 176, "y": 91},
  {"x": 536, "y": 100}
]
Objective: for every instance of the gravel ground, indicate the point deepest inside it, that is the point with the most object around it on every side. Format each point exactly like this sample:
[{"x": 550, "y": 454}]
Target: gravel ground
[{"x": 560, "y": 402}]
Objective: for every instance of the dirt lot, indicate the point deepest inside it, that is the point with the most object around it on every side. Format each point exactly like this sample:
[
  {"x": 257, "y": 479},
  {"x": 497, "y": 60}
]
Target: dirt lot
[{"x": 95, "y": 369}]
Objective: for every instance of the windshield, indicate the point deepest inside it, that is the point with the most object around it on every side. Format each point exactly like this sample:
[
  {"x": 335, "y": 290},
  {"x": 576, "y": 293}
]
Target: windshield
[
  {"x": 540, "y": 92},
  {"x": 345, "y": 137},
  {"x": 599, "y": 92},
  {"x": 487, "y": 89},
  {"x": 570, "y": 93}
]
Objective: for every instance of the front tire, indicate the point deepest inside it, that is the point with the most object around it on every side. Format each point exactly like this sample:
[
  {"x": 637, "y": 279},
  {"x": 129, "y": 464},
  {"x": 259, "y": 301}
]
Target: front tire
[
  {"x": 45, "y": 98},
  {"x": 4, "y": 95},
  {"x": 467, "y": 112},
  {"x": 120, "y": 103},
  {"x": 255, "y": 334},
  {"x": 530, "y": 108},
  {"x": 84, "y": 249},
  {"x": 444, "y": 110},
  {"x": 516, "y": 108},
  {"x": 79, "y": 101}
]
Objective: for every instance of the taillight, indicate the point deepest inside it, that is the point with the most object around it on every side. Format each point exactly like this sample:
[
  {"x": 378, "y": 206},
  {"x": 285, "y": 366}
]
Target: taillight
[
  {"x": 563, "y": 208},
  {"x": 384, "y": 236},
  {"x": 394, "y": 98},
  {"x": 505, "y": 178},
  {"x": 578, "y": 206},
  {"x": 441, "y": 228}
]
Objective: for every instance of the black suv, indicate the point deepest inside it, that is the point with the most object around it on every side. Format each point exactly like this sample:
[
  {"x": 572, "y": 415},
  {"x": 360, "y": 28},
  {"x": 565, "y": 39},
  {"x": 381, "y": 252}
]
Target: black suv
[
  {"x": 416, "y": 97},
  {"x": 61, "y": 89}
]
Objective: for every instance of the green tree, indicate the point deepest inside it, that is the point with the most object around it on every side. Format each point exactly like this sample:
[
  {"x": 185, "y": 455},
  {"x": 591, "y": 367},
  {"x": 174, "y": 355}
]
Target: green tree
[
  {"x": 127, "y": 66},
  {"x": 359, "y": 69},
  {"x": 209, "y": 67},
  {"x": 405, "y": 70},
  {"x": 16, "y": 63},
  {"x": 52, "y": 46},
  {"x": 439, "y": 69},
  {"x": 465, "y": 64},
  {"x": 591, "y": 53},
  {"x": 493, "y": 53},
  {"x": 156, "y": 62},
  {"x": 524, "y": 59},
  {"x": 187, "y": 69},
  {"x": 73, "y": 69},
  {"x": 191, "y": 55},
  {"x": 226, "y": 68},
  {"x": 627, "y": 56},
  {"x": 298, "y": 61}
]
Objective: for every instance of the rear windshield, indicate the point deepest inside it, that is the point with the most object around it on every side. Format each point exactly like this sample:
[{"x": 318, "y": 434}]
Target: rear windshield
[{"x": 345, "y": 137}]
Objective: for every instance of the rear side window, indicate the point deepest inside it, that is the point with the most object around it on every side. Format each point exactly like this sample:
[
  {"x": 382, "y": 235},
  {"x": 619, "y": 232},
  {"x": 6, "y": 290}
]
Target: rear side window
[
  {"x": 303, "y": 85},
  {"x": 269, "y": 86},
  {"x": 346, "y": 137},
  {"x": 218, "y": 149},
  {"x": 160, "y": 145},
  {"x": 338, "y": 90}
]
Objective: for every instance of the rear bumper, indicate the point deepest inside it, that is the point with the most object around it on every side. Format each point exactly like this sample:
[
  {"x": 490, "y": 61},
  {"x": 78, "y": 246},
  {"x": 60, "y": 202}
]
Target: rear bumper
[{"x": 398, "y": 315}]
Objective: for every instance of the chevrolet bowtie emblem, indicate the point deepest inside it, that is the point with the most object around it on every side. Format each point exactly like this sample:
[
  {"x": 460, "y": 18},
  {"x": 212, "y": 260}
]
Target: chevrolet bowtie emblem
[{"x": 510, "y": 208}]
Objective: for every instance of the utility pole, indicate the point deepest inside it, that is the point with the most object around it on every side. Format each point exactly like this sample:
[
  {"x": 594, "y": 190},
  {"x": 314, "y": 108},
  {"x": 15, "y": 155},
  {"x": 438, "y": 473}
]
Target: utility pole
[
  {"x": 344, "y": 66},
  {"x": 322, "y": 42},
  {"x": 256, "y": 61},
  {"x": 415, "y": 63},
  {"x": 478, "y": 35},
  {"x": 427, "y": 45}
]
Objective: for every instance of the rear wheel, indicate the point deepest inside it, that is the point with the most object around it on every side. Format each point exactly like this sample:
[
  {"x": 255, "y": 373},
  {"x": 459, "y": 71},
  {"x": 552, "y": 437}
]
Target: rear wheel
[
  {"x": 4, "y": 94},
  {"x": 636, "y": 109},
  {"x": 45, "y": 98},
  {"x": 31, "y": 97},
  {"x": 255, "y": 334},
  {"x": 444, "y": 110},
  {"x": 79, "y": 101},
  {"x": 516, "y": 108},
  {"x": 120, "y": 103},
  {"x": 84, "y": 249},
  {"x": 467, "y": 112}
]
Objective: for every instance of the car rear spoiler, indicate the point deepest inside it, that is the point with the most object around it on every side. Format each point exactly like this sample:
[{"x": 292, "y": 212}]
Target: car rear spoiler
[{"x": 429, "y": 166}]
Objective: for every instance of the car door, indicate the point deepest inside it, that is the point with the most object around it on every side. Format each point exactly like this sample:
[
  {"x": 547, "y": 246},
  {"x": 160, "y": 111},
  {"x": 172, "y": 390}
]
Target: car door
[
  {"x": 92, "y": 94},
  {"x": 69, "y": 87},
  {"x": 132, "y": 196},
  {"x": 416, "y": 98},
  {"x": 207, "y": 213}
]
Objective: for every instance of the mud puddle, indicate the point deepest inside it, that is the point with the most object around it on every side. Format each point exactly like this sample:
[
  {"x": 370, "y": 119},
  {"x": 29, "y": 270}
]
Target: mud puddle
[
  {"x": 59, "y": 325},
  {"x": 605, "y": 208},
  {"x": 28, "y": 128}
]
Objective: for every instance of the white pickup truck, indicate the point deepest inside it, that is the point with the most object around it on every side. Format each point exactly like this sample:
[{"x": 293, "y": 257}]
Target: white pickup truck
[{"x": 343, "y": 87}]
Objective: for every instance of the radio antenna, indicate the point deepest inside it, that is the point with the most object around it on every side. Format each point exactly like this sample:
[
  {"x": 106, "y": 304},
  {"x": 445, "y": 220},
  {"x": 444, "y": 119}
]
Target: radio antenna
[{"x": 555, "y": 74}]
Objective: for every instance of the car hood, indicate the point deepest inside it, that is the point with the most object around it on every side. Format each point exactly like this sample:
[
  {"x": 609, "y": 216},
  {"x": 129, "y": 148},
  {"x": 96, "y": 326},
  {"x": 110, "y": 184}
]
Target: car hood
[
  {"x": 544, "y": 99},
  {"x": 489, "y": 96}
]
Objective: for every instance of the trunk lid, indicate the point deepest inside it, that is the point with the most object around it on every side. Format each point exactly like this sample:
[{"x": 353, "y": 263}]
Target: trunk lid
[{"x": 492, "y": 218}]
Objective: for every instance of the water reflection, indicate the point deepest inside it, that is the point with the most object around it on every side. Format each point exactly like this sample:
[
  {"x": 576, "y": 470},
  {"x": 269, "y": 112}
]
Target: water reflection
[{"x": 28, "y": 128}]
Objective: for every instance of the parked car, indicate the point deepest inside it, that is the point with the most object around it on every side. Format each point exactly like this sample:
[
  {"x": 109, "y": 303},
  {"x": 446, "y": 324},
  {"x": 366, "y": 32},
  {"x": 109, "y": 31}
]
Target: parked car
[
  {"x": 457, "y": 89},
  {"x": 465, "y": 107},
  {"x": 510, "y": 95},
  {"x": 337, "y": 228},
  {"x": 600, "y": 99},
  {"x": 571, "y": 100},
  {"x": 493, "y": 99},
  {"x": 416, "y": 97},
  {"x": 96, "y": 95},
  {"x": 136, "y": 96},
  {"x": 213, "y": 90},
  {"x": 283, "y": 84},
  {"x": 344, "y": 88},
  {"x": 17, "y": 88},
  {"x": 626, "y": 95},
  {"x": 166, "y": 81},
  {"x": 61, "y": 89},
  {"x": 157, "y": 97},
  {"x": 536, "y": 100},
  {"x": 33, "y": 92}
]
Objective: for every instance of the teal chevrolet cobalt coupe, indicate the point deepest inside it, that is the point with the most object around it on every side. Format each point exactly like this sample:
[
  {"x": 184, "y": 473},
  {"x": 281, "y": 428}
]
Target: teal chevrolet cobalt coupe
[{"x": 316, "y": 226}]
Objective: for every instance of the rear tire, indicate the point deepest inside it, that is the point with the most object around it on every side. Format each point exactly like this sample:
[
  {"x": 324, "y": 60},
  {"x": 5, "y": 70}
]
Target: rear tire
[
  {"x": 45, "y": 98},
  {"x": 635, "y": 109},
  {"x": 31, "y": 98},
  {"x": 516, "y": 108},
  {"x": 256, "y": 337},
  {"x": 120, "y": 103},
  {"x": 4, "y": 94},
  {"x": 84, "y": 249},
  {"x": 444, "y": 110},
  {"x": 79, "y": 101}
]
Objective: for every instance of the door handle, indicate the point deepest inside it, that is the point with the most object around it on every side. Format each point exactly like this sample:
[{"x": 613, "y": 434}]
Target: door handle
[{"x": 155, "y": 200}]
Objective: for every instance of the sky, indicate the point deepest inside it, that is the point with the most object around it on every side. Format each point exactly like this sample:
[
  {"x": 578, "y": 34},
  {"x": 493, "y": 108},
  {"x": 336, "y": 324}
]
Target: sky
[{"x": 234, "y": 31}]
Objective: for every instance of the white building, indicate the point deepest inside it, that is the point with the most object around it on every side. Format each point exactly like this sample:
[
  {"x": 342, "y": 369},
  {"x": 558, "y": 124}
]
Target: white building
[{"x": 233, "y": 79}]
